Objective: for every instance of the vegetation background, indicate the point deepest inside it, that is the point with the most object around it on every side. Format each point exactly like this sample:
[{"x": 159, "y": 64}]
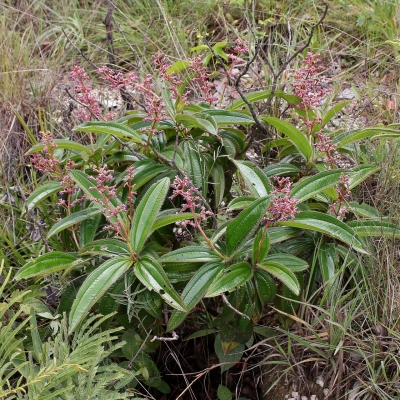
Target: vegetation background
[{"x": 344, "y": 340}]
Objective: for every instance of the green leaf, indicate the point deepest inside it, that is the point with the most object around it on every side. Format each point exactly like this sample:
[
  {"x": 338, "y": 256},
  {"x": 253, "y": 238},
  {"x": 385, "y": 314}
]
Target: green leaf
[
  {"x": 110, "y": 128},
  {"x": 86, "y": 183},
  {"x": 245, "y": 224},
  {"x": 315, "y": 221},
  {"x": 261, "y": 246},
  {"x": 285, "y": 275},
  {"x": 190, "y": 254},
  {"x": 279, "y": 169},
  {"x": 265, "y": 285},
  {"x": 146, "y": 173},
  {"x": 315, "y": 184},
  {"x": 375, "y": 228},
  {"x": 229, "y": 118},
  {"x": 62, "y": 144},
  {"x": 279, "y": 234},
  {"x": 296, "y": 136},
  {"x": 231, "y": 357},
  {"x": 237, "y": 275},
  {"x": 95, "y": 285},
  {"x": 347, "y": 138},
  {"x": 295, "y": 264},
  {"x": 147, "y": 212},
  {"x": 45, "y": 265},
  {"x": 177, "y": 66},
  {"x": 168, "y": 217},
  {"x": 359, "y": 174},
  {"x": 195, "y": 290},
  {"x": 262, "y": 95},
  {"x": 201, "y": 333},
  {"x": 105, "y": 247},
  {"x": 73, "y": 219},
  {"x": 88, "y": 229},
  {"x": 194, "y": 165},
  {"x": 224, "y": 393},
  {"x": 240, "y": 203},
  {"x": 218, "y": 177},
  {"x": 41, "y": 193},
  {"x": 198, "y": 120},
  {"x": 326, "y": 258},
  {"x": 150, "y": 273},
  {"x": 255, "y": 179},
  {"x": 332, "y": 112},
  {"x": 362, "y": 210}
]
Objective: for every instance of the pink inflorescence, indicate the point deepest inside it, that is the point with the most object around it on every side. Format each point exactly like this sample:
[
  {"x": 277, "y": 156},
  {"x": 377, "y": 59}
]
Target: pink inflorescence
[
  {"x": 344, "y": 193},
  {"x": 109, "y": 191},
  {"x": 46, "y": 162},
  {"x": 192, "y": 201},
  {"x": 116, "y": 80},
  {"x": 325, "y": 145},
  {"x": 89, "y": 104},
  {"x": 283, "y": 207},
  {"x": 307, "y": 83}
]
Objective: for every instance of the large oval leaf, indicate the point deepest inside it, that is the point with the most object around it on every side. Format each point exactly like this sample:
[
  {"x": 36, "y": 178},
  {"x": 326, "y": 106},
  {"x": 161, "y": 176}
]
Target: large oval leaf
[
  {"x": 190, "y": 254},
  {"x": 237, "y": 275},
  {"x": 73, "y": 219},
  {"x": 45, "y": 265},
  {"x": 245, "y": 224},
  {"x": 146, "y": 213},
  {"x": 315, "y": 184},
  {"x": 255, "y": 179},
  {"x": 150, "y": 273},
  {"x": 109, "y": 128},
  {"x": 95, "y": 285},
  {"x": 195, "y": 290},
  {"x": 285, "y": 275},
  {"x": 315, "y": 221},
  {"x": 295, "y": 135}
]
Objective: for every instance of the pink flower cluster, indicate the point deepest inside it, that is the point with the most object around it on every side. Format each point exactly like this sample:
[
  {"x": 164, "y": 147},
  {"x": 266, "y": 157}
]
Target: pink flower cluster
[
  {"x": 109, "y": 191},
  {"x": 325, "y": 145},
  {"x": 46, "y": 162},
  {"x": 282, "y": 206},
  {"x": 116, "y": 80},
  {"x": 338, "y": 207},
  {"x": 307, "y": 83},
  {"x": 192, "y": 201},
  {"x": 89, "y": 108}
]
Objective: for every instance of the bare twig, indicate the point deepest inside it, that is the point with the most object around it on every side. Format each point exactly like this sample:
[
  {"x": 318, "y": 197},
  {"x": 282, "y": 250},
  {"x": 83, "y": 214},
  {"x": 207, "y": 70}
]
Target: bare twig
[
  {"x": 277, "y": 75},
  {"x": 226, "y": 302},
  {"x": 109, "y": 33},
  {"x": 175, "y": 336},
  {"x": 129, "y": 147},
  {"x": 79, "y": 50}
]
